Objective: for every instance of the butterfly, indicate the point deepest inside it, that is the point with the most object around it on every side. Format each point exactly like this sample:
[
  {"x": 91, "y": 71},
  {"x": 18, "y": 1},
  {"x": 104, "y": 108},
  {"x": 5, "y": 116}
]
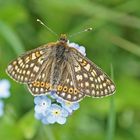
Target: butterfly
[{"x": 58, "y": 67}]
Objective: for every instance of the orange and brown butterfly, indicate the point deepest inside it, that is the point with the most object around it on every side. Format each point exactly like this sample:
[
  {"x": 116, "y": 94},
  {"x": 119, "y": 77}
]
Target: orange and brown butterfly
[{"x": 61, "y": 68}]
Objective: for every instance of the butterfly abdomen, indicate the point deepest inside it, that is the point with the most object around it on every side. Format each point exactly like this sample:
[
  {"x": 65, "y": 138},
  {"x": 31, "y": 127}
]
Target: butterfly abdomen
[{"x": 59, "y": 62}]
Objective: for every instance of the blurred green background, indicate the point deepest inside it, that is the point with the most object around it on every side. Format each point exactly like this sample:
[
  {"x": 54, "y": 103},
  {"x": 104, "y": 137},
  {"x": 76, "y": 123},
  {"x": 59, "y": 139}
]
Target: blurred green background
[{"x": 114, "y": 41}]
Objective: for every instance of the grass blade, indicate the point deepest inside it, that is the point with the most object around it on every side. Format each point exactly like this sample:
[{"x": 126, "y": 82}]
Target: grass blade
[
  {"x": 11, "y": 38},
  {"x": 111, "y": 117}
]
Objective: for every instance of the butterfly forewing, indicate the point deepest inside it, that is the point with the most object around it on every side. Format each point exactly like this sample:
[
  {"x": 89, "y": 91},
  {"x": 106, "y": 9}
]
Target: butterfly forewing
[{"x": 26, "y": 67}]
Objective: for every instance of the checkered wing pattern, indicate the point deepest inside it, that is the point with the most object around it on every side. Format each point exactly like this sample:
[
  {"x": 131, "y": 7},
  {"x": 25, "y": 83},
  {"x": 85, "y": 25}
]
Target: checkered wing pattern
[
  {"x": 42, "y": 83},
  {"x": 78, "y": 78},
  {"x": 64, "y": 87},
  {"x": 67, "y": 88},
  {"x": 27, "y": 67},
  {"x": 73, "y": 78},
  {"x": 89, "y": 78}
]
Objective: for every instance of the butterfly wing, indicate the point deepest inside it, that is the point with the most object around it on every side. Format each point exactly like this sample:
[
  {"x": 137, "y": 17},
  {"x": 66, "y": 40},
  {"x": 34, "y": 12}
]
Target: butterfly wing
[
  {"x": 78, "y": 77},
  {"x": 26, "y": 68},
  {"x": 89, "y": 78},
  {"x": 65, "y": 87},
  {"x": 42, "y": 83},
  {"x": 81, "y": 78}
]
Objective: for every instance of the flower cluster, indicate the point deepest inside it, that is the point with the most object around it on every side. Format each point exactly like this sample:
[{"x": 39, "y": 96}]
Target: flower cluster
[
  {"x": 4, "y": 93},
  {"x": 52, "y": 109}
]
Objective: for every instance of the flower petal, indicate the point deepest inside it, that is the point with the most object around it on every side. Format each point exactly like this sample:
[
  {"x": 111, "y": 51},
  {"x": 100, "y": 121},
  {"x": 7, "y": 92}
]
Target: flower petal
[
  {"x": 38, "y": 116},
  {"x": 53, "y": 95},
  {"x": 61, "y": 120},
  {"x": 45, "y": 121},
  {"x": 37, "y": 99},
  {"x": 69, "y": 106},
  {"x": 81, "y": 49},
  {"x": 51, "y": 119},
  {"x": 64, "y": 112},
  {"x": 4, "y": 88},
  {"x": 1, "y": 108},
  {"x": 75, "y": 106}
]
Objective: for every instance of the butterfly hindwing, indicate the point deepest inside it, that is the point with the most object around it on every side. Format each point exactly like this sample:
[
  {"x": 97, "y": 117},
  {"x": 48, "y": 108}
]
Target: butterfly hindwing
[
  {"x": 67, "y": 87},
  {"x": 42, "y": 83}
]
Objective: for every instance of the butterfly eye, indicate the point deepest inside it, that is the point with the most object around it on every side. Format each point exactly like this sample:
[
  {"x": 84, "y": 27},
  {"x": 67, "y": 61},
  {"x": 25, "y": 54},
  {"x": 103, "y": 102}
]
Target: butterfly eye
[{"x": 63, "y": 38}]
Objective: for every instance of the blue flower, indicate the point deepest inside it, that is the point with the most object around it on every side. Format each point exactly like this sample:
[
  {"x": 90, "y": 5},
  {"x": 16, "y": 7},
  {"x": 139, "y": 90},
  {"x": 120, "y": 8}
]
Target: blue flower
[
  {"x": 1, "y": 108},
  {"x": 49, "y": 112},
  {"x": 53, "y": 95},
  {"x": 44, "y": 120},
  {"x": 81, "y": 49},
  {"x": 56, "y": 114},
  {"x": 41, "y": 105},
  {"x": 39, "y": 116},
  {"x": 69, "y": 106},
  {"x": 4, "y": 88}
]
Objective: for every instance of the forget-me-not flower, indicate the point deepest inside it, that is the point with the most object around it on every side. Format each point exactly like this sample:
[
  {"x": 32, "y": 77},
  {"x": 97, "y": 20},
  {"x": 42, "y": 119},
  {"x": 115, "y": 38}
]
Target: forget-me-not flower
[
  {"x": 56, "y": 114},
  {"x": 41, "y": 105},
  {"x": 81, "y": 49},
  {"x": 4, "y": 93},
  {"x": 69, "y": 106},
  {"x": 4, "y": 88}
]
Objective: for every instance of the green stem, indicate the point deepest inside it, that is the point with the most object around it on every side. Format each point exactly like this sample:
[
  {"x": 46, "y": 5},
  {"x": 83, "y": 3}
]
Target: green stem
[
  {"x": 122, "y": 43},
  {"x": 48, "y": 132},
  {"x": 111, "y": 117}
]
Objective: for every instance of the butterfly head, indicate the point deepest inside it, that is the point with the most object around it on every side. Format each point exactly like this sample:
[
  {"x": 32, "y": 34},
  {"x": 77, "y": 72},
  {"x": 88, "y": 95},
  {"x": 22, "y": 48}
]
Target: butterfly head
[{"x": 63, "y": 38}]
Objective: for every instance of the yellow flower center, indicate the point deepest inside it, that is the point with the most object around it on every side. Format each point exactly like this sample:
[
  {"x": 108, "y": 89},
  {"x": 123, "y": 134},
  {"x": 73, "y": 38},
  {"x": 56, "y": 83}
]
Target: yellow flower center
[{"x": 56, "y": 112}]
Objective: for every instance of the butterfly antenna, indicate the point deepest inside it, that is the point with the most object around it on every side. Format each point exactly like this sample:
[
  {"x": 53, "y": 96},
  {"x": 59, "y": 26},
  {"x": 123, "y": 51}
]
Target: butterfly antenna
[
  {"x": 38, "y": 20},
  {"x": 86, "y": 30}
]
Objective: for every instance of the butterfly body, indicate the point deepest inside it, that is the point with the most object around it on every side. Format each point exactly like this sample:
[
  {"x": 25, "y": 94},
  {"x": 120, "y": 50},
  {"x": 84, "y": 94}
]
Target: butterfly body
[{"x": 59, "y": 67}]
